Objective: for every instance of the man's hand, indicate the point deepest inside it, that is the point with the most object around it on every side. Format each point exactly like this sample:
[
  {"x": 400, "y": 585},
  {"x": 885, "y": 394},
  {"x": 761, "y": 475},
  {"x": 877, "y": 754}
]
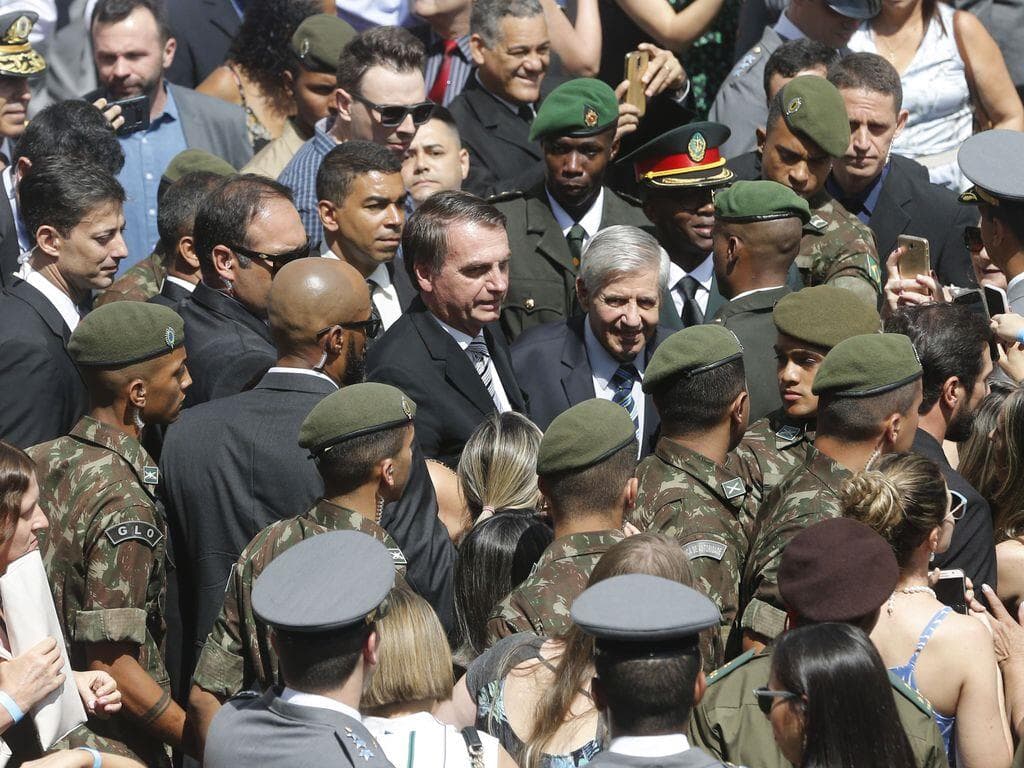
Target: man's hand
[
  {"x": 33, "y": 675},
  {"x": 112, "y": 113},
  {"x": 629, "y": 115},
  {"x": 899, "y": 292},
  {"x": 663, "y": 73},
  {"x": 1008, "y": 327}
]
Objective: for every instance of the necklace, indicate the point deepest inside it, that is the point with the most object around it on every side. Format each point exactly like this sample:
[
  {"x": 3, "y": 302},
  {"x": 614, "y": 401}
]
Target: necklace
[{"x": 921, "y": 589}]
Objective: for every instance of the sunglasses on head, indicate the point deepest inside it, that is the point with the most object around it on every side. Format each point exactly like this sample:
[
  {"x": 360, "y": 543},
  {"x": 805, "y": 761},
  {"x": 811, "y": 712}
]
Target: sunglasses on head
[
  {"x": 278, "y": 260},
  {"x": 393, "y": 115},
  {"x": 766, "y": 696}
]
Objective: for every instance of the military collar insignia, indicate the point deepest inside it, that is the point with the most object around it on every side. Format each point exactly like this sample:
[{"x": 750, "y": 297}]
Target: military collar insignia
[
  {"x": 169, "y": 336},
  {"x": 364, "y": 751},
  {"x": 589, "y": 116},
  {"x": 788, "y": 432},
  {"x": 733, "y": 488},
  {"x": 794, "y": 105},
  {"x": 697, "y": 147},
  {"x": 150, "y": 475}
]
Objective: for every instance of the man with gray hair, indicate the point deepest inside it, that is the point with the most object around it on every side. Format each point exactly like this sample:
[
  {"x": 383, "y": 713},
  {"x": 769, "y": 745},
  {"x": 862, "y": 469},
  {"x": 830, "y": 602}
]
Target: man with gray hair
[{"x": 604, "y": 352}]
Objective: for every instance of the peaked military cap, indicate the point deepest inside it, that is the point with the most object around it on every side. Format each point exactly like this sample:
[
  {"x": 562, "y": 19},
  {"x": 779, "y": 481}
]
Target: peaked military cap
[
  {"x": 824, "y": 315},
  {"x": 640, "y": 608},
  {"x": 837, "y": 570},
  {"x": 580, "y": 107},
  {"x": 760, "y": 201},
  {"x": 17, "y": 56},
  {"x": 812, "y": 107},
  {"x": 861, "y": 366},
  {"x": 299, "y": 591},
  {"x": 318, "y": 41},
  {"x": 994, "y": 162},
  {"x": 353, "y": 411},
  {"x": 687, "y": 156},
  {"x": 193, "y": 161},
  {"x": 584, "y": 435},
  {"x": 125, "y": 332},
  {"x": 693, "y": 350},
  {"x": 856, "y": 9}
]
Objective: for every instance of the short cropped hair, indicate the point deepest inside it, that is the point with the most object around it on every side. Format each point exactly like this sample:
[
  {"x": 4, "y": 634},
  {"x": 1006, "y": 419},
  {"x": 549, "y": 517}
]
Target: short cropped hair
[
  {"x": 577, "y": 493},
  {"x": 349, "y": 160},
  {"x": 61, "y": 191},
  {"x": 393, "y": 48},
  {"x": 315, "y": 662},
  {"x": 796, "y": 56},
  {"x": 177, "y": 209},
  {"x": 647, "y": 694},
  {"x": 113, "y": 11},
  {"x": 347, "y": 465},
  {"x": 486, "y": 17},
  {"x": 693, "y": 404},
  {"x": 870, "y": 72},
  {"x": 71, "y": 128},
  {"x": 856, "y": 419},
  {"x": 425, "y": 238},
  {"x": 443, "y": 115},
  {"x": 621, "y": 250}
]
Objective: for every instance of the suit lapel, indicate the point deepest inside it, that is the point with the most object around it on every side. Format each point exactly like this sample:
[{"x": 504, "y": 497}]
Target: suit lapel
[
  {"x": 540, "y": 221},
  {"x": 890, "y": 218},
  {"x": 400, "y": 279},
  {"x": 9, "y": 247},
  {"x": 35, "y": 299},
  {"x": 499, "y": 121},
  {"x": 715, "y": 300},
  {"x": 577, "y": 375},
  {"x": 458, "y": 369},
  {"x": 222, "y": 16},
  {"x": 503, "y": 364}
]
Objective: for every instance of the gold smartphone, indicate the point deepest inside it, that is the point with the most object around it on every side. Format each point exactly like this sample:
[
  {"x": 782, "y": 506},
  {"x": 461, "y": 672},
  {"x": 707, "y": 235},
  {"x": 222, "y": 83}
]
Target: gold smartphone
[
  {"x": 915, "y": 259},
  {"x": 636, "y": 65}
]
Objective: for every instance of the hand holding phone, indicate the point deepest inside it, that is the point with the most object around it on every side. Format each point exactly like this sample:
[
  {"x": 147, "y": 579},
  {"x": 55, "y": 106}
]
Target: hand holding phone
[
  {"x": 135, "y": 111},
  {"x": 915, "y": 258},
  {"x": 951, "y": 589}
]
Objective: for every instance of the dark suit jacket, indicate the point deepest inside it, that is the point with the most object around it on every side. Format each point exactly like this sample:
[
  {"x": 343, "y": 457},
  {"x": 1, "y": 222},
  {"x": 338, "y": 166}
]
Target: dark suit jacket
[
  {"x": 551, "y": 388},
  {"x": 403, "y": 283},
  {"x": 501, "y": 155},
  {"x": 9, "y": 248},
  {"x": 42, "y": 395},
  {"x": 204, "y": 30},
  {"x": 228, "y": 347},
  {"x": 214, "y": 125},
  {"x": 170, "y": 294},
  {"x": 419, "y": 357}
]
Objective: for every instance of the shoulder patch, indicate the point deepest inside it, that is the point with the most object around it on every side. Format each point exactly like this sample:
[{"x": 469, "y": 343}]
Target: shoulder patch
[
  {"x": 788, "y": 432},
  {"x": 397, "y": 557},
  {"x": 503, "y": 196},
  {"x": 915, "y": 698},
  {"x": 138, "y": 530},
  {"x": 732, "y": 666},
  {"x": 817, "y": 223},
  {"x": 704, "y": 548}
]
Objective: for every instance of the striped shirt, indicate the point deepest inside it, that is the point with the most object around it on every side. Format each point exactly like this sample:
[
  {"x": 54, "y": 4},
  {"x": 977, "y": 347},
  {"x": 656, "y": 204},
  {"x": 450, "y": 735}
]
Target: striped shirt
[
  {"x": 300, "y": 176},
  {"x": 462, "y": 64}
]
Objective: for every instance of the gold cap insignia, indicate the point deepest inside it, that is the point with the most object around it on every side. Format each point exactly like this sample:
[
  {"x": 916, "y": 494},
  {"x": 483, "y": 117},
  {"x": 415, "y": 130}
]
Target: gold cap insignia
[
  {"x": 794, "y": 105},
  {"x": 17, "y": 57},
  {"x": 697, "y": 147},
  {"x": 19, "y": 30},
  {"x": 589, "y": 116}
]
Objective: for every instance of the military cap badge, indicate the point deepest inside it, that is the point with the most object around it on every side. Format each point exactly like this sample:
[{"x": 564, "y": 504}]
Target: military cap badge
[
  {"x": 794, "y": 105},
  {"x": 304, "y": 48},
  {"x": 589, "y": 116},
  {"x": 169, "y": 336},
  {"x": 697, "y": 147},
  {"x": 407, "y": 408},
  {"x": 19, "y": 30}
]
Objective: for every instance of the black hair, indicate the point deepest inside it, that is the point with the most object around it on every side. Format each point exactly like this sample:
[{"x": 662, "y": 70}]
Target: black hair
[
  {"x": 177, "y": 208},
  {"x": 596, "y": 488},
  {"x": 71, "y": 128},
  {"x": 393, "y": 48},
  {"x": 349, "y": 160},
  {"x": 795, "y": 56},
  {"x": 425, "y": 237},
  {"x": 347, "y": 465},
  {"x": 850, "y": 716},
  {"x": 775, "y": 110},
  {"x": 61, "y": 191},
  {"x": 693, "y": 404},
  {"x": 1010, "y": 212},
  {"x": 867, "y": 71},
  {"x": 113, "y": 11},
  {"x": 315, "y": 662},
  {"x": 856, "y": 419},
  {"x": 443, "y": 115}
]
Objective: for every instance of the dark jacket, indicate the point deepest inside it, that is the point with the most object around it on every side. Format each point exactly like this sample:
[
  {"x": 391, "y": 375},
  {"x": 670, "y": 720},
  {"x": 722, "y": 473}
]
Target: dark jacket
[
  {"x": 10, "y": 250},
  {"x": 170, "y": 294}
]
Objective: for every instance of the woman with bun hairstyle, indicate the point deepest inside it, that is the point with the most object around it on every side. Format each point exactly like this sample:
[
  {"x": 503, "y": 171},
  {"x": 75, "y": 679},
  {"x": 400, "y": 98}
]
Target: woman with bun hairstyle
[{"x": 948, "y": 658}]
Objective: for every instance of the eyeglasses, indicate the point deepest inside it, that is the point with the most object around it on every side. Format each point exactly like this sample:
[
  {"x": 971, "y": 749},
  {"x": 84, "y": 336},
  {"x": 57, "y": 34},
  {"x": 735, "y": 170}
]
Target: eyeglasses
[
  {"x": 766, "y": 696},
  {"x": 957, "y": 506},
  {"x": 393, "y": 115},
  {"x": 370, "y": 327},
  {"x": 278, "y": 260},
  {"x": 972, "y": 239}
]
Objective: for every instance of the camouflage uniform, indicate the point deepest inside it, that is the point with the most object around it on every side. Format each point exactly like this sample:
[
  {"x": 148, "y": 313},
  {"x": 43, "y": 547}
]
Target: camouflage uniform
[
  {"x": 728, "y": 724},
  {"x": 237, "y": 653},
  {"x": 807, "y": 495},
  {"x": 688, "y": 496},
  {"x": 841, "y": 252},
  {"x": 541, "y": 603},
  {"x": 104, "y": 556},
  {"x": 140, "y": 283}
]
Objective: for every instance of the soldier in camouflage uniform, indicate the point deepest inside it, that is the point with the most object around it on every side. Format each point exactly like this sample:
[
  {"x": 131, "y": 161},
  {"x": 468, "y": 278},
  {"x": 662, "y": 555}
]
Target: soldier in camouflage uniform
[
  {"x": 697, "y": 383},
  {"x": 104, "y": 553},
  {"x": 807, "y": 128},
  {"x": 728, "y": 722},
  {"x": 586, "y": 468},
  {"x": 808, "y": 324},
  {"x": 141, "y": 282},
  {"x": 361, "y": 439},
  {"x": 865, "y": 410}
]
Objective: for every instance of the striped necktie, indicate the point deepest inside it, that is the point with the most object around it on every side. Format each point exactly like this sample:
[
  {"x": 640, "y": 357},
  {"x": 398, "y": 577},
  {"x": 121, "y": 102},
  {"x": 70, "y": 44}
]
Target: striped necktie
[
  {"x": 622, "y": 385},
  {"x": 481, "y": 357}
]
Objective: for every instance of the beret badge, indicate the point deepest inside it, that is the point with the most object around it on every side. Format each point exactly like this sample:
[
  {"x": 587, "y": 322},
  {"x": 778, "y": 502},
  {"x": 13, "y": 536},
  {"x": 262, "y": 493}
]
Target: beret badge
[
  {"x": 589, "y": 116},
  {"x": 169, "y": 336},
  {"x": 794, "y": 105}
]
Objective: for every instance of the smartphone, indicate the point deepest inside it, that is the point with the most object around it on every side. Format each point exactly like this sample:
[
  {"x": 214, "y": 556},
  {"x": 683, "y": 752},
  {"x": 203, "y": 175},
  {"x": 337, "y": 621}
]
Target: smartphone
[
  {"x": 135, "y": 111},
  {"x": 915, "y": 259},
  {"x": 972, "y": 298},
  {"x": 636, "y": 65},
  {"x": 951, "y": 589},
  {"x": 995, "y": 299}
]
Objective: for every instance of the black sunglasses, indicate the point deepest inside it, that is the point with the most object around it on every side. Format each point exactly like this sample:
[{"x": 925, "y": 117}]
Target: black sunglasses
[
  {"x": 766, "y": 696},
  {"x": 278, "y": 260},
  {"x": 370, "y": 327},
  {"x": 972, "y": 238},
  {"x": 393, "y": 115}
]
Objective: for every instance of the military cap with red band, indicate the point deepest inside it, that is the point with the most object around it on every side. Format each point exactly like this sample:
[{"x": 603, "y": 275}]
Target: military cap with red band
[{"x": 687, "y": 156}]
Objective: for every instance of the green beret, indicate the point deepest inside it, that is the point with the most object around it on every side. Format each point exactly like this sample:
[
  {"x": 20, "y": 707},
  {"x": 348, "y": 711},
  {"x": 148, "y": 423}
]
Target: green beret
[
  {"x": 867, "y": 365},
  {"x": 584, "y": 435},
  {"x": 760, "y": 201},
  {"x": 195, "y": 160},
  {"x": 352, "y": 411},
  {"x": 318, "y": 41},
  {"x": 814, "y": 108},
  {"x": 580, "y": 107},
  {"x": 693, "y": 350},
  {"x": 125, "y": 332},
  {"x": 825, "y": 315}
]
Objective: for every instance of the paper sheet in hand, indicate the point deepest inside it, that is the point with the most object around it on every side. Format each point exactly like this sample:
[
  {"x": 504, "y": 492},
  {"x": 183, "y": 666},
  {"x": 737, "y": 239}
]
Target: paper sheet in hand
[{"x": 31, "y": 617}]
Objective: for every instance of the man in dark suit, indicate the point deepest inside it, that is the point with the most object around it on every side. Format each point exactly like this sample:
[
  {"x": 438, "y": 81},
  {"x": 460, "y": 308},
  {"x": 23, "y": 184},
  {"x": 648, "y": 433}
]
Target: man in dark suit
[
  {"x": 604, "y": 352},
  {"x": 447, "y": 352},
  {"x": 246, "y": 229},
  {"x": 204, "y": 30},
  {"x": 892, "y": 194},
  {"x": 42, "y": 395}
]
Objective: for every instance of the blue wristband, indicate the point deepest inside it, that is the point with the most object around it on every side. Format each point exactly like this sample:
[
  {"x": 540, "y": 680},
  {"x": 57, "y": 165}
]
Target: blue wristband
[
  {"x": 97, "y": 758},
  {"x": 12, "y": 708},
  {"x": 1020, "y": 336}
]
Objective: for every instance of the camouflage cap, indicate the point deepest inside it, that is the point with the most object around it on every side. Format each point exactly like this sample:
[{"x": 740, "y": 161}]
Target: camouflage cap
[
  {"x": 192, "y": 161},
  {"x": 760, "y": 201},
  {"x": 866, "y": 365},
  {"x": 637, "y": 607},
  {"x": 352, "y": 411},
  {"x": 837, "y": 570},
  {"x": 825, "y": 315},
  {"x": 125, "y": 332},
  {"x": 691, "y": 351},
  {"x": 580, "y": 107},
  {"x": 17, "y": 56},
  {"x": 583, "y": 435},
  {"x": 812, "y": 107},
  {"x": 291, "y": 596},
  {"x": 318, "y": 41}
]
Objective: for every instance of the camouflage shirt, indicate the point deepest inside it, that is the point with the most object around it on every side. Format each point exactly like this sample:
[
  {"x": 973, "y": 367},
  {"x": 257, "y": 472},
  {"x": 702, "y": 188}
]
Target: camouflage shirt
[
  {"x": 104, "y": 554},
  {"x": 699, "y": 502},
  {"x": 841, "y": 252},
  {"x": 141, "y": 282},
  {"x": 807, "y": 495},
  {"x": 237, "y": 653},
  {"x": 541, "y": 603}
]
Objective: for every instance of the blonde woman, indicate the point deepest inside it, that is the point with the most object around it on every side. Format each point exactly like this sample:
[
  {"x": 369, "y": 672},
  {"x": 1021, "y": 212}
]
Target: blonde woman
[{"x": 498, "y": 468}]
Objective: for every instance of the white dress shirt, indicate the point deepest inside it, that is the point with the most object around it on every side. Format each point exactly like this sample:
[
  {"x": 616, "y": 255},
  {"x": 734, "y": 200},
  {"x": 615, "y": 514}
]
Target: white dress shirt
[
  {"x": 303, "y": 371},
  {"x": 755, "y": 290},
  {"x": 60, "y": 300},
  {"x": 650, "y": 746},
  {"x": 603, "y": 367},
  {"x": 190, "y": 287},
  {"x": 300, "y": 699},
  {"x": 590, "y": 221},
  {"x": 384, "y": 295},
  {"x": 463, "y": 340},
  {"x": 703, "y": 274}
]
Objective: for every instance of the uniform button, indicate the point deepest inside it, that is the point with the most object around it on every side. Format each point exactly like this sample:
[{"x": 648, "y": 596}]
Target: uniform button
[
  {"x": 529, "y": 303},
  {"x": 575, "y": 262}
]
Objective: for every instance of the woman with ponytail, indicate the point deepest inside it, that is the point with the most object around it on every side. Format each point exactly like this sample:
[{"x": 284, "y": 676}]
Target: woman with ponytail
[{"x": 948, "y": 658}]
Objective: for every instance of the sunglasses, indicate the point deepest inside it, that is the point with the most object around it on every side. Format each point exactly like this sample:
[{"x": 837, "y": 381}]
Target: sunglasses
[
  {"x": 957, "y": 506},
  {"x": 393, "y": 115},
  {"x": 972, "y": 239},
  {"x": 278, "y": 260},
  {"x": 369, "y": 327},
  {"x": 766, "y": 697}
]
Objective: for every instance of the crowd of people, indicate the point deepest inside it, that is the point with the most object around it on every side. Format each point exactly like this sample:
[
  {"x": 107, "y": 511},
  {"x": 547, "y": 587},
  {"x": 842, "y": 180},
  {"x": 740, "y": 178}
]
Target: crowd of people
[{"x": 443, "y": 383}]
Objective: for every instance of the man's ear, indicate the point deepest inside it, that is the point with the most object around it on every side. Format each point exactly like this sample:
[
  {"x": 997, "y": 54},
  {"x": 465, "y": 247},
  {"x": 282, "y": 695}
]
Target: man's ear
[
  {"x": 901, "y": 122},
  {"x": 343, "y": 104},
  {"x": 49, "y": 240},
  {"x": 387, "y": 473},
  {"x": 761, "y": 137},
  {"x": 224, "y": 262},
  {"x": 464, "y": 162},
  {"x": 169, "y": 49},
  {"x": 614, "y": 150},
  {"x": 187, "y": 251},
  {"x": 288, "y": 84},
  {"x": 370, "y": 648},
  {"x": 328, "y": 215},
  {"x": 476, "y": 49},
  {"x": 582, "y": 296},
  {"x": 732, "y": 253},
  {"x": 137, "y": 393},
  {"x": 700, "y": 685},
  {"x": 630, "y": 492},
  {"x": 950, "y": 393},
  {"x": 736, "y": 412},
  {"x": 22, "y": 167},
  {"x": 421, "y": 270}
]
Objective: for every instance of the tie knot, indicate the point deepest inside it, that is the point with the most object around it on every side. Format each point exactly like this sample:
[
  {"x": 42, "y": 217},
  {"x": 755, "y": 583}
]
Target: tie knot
[
  {"x": 478, "y": 347},
  {"x": 449, "y": 46},
  {"x": 525, "y": 113},
  {"x": 625, "y": 376},
  {"x": 690, "y": 286}
]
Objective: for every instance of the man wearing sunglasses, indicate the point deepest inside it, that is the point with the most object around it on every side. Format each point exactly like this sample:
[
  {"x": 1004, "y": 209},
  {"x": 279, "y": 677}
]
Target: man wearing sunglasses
[{"x": 381, "y": 97}]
